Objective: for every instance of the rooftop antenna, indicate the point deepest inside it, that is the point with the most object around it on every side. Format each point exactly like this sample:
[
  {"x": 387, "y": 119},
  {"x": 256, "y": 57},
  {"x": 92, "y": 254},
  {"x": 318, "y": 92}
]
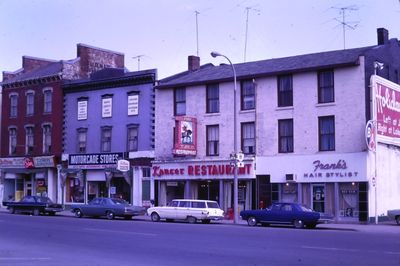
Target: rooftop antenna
[
  {"x": 247, "y": 29},
  {"x": 349, "y": 24},
  {"x": 138, "y": 60},
  {"x": 197, "y": 31}
]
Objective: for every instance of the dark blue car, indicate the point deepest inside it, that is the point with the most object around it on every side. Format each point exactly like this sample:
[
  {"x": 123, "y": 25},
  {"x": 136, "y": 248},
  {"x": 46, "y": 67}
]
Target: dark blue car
[{"x": 294, "y": 214}]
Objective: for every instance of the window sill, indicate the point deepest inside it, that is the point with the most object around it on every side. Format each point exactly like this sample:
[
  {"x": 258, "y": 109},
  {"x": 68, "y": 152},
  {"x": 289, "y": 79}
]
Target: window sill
[
  {"x": 212, "y": 114},
  {"x": 284, "y": 108},
  {"x": 247, "y": 111},
  {"x": 325, "y": 104}
]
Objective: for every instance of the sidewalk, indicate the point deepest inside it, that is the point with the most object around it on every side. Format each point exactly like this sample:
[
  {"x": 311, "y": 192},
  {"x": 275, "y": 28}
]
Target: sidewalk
[{"x": 383, "y": 227}]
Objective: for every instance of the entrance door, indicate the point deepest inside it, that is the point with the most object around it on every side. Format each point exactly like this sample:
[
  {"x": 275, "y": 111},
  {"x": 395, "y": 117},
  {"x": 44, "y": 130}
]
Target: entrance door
[
  {"x": 318, "y": 197},
  {"x": 28, "y": 188}
]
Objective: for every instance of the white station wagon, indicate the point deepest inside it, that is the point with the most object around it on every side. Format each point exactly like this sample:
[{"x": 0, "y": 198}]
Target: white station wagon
[{"x": 189, "y": 210}]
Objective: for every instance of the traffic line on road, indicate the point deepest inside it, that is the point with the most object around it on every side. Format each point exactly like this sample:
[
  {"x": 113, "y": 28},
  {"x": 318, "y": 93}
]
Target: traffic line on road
[
  {"x": 121, "y": 232},
  {"x": 22, "y": 259},
  {"x": 331, "y": 249}
]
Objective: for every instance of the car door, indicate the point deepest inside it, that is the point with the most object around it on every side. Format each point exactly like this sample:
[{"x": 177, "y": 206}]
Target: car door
[
  {"x": 272, "y": 214},
  {"x": 287, "y": 214},
  {"x": 169, "y": 212},
  {"x": 183, "y": 209},
  {"x": 92, "y": 208}
]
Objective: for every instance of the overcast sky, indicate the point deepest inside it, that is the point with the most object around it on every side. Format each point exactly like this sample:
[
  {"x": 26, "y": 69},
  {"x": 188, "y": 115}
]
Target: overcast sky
[{"x": 163, "y": 32}]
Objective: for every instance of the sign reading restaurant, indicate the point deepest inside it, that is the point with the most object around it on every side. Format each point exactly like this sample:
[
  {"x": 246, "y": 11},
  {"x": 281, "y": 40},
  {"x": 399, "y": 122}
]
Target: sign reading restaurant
[
  {"x": 386, "y": 109},
  {"x": 94, "y": 160}
]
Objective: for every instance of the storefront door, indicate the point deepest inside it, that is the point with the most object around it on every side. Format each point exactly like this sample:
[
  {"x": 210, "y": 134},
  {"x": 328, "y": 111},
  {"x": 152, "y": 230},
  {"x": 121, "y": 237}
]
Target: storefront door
[
  {"x": 28, "y": 188},
  {"x": 318, "y": 197}
]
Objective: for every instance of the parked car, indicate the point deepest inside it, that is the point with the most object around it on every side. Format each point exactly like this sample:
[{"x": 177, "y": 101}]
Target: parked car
[
  {"x": 294, "y": 214},
  {"x": 394, "y": 215},
  {"x": 189, "y": 210},
  {"x": 108, "y": 207},
  {"x": 33, "y": 204}
]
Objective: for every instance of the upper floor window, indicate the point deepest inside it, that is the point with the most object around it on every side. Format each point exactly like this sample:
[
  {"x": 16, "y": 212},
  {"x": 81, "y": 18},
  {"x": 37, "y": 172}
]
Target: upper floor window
[
  {"x": 82, "y": 108},
  {"x": 106, "y": 105},
  {"x": 29, "y": 139},
  {"x": 248, "y": 95},
  {"x": 12, "y": 147},
  {"x": 46, "y": 139},
  {"x": 30, "y": 103},
  {"x": 248, "y": 138},
  {"x": 326, "y": 125},
  {"x": 82, "y": 140},
  {"x": 285, "y": 90},
  {"x": 212, "y": 140},
  {"x": 48, "y": 101},
  {"x": 13, "y": 105},
  {"x": 285, "y": 132},
  {"x": 132, "y": 138},
  {"x": 180, "y": 101},
  {"x": 212, "y": 98},
  {"x": 326, "y": 89},
  {"x": 106, "y": 139}
]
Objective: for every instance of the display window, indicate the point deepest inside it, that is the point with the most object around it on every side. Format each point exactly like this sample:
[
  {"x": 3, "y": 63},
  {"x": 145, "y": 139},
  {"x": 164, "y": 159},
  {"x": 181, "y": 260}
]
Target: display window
[
  {"x": 348, "y": 200},
  {"x": 75, "y": 189}
]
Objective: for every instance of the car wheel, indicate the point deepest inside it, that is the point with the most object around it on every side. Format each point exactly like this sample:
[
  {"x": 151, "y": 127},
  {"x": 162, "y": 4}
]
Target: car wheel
[
  {"x": 155, "y": 217},
  {"x": 298, "y": 223},
  {"x": 78, "y": 213},
  {"x": 252, "y": 221},
  {"x": 128, "y": 217},
  {"x": 169, "y": 220},
  {"x": 206, "y": 221},
  {"x": 398, "y": 220},
  {"x": 11, "y": 210},
  {"x": 191, "y": 220},
  {"x": 110, "y": 215},
  {"x": 36, "y": 212},
  {"x": 311, "y": 226},
  {"x": 52, "y": 213}
]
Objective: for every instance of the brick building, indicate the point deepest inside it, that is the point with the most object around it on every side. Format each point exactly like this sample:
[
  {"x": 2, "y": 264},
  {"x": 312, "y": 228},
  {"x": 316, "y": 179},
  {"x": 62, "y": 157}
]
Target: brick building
[{"x": 32, "y": 119}]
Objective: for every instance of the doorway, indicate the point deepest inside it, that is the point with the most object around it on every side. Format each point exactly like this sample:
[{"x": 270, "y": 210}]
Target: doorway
[{"x": 318, "y": 197}]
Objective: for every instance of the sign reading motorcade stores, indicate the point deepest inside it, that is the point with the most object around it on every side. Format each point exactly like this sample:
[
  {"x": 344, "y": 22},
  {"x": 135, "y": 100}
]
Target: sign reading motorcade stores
[{"x": 94, "y": 159}]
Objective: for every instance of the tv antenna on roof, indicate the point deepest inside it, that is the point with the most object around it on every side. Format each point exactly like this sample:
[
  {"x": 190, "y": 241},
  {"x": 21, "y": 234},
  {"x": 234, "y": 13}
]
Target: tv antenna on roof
[
  {"x": 138, "y": 60},
  {"x": 247, "y": 28},
  {"x": 197, "y": 31},
  {"x": 349, "y": 24}
]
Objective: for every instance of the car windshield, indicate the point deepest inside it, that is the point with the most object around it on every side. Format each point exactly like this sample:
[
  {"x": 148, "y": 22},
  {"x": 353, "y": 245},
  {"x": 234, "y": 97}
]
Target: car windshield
[
  {"x": 119, "y": 201},
  {"x": 305, "y": 209},
  {"x": 43, "y": 200},
  {"x": 213, "y": 205}
]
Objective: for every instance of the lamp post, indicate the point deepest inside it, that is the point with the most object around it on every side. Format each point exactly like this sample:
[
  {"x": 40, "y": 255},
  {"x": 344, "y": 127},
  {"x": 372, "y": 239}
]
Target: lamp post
[{"x": 235, "y": 175}]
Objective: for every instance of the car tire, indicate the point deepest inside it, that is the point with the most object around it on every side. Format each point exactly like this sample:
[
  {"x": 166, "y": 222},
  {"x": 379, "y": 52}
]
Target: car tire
[
  {"x": 36, "y": 212},
  {"x": 298, "y": 223},
  {"x": 169, "y": 220},
  {"x": 191, "y": 220},
  {"x": 110, "y": 215},
  {"x": 398, "y": 220},
  {"x": 311, "y": 226},
  {"x": 11, "y": 210},
  {"x": 78, "y": 213},
  {"x": 52, "y": 213},
  {"x": 206, "y": 221},
  {"x": 252, "y": 221},
  {"x": 128, "y": 217},
  {"x": 155, "y": 217}
]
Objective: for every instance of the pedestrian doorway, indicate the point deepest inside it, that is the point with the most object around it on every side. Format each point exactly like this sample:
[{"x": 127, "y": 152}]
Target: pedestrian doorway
[
  {"x": 318, "y": 198},
  {"x": 208, "y": 190}
]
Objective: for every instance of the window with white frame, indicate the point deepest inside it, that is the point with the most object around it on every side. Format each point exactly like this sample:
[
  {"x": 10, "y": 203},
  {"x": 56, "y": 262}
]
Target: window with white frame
[
  {"x": 47, "y": 139},
  {"x": 326, "y": 87},
  {"x": 180, "y": 101},
  {"x": 82, "y": 140},
  {"x": 30, "y": 102},
  {"x": 29, "y": 139},
  {"x": 285, "y": 90},
  {"x": 48, "y": 100},
  {"x": 248, "y": 138},
  {"x": 212, "y": 93},
  {"x": 326, "y": 126},
  {"x": 12, "y": 150},
  {"x": 132, "y": 138},
  {"x": 106, "y": 139},
  {"x": 13, "y": 105},
  {"x": 248, "y": 94},
  {"x": 285, "y": 132},
  {"x": 212, "y": 140}
]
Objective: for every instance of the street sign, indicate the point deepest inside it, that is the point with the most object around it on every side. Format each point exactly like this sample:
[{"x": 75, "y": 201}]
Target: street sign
[
  {"x": 240, "y": 156},
  {"x": 240, "y": 164}
]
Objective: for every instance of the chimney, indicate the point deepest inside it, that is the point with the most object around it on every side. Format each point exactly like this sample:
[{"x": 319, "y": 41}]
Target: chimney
[
  {"x": 383, "y": 36},
  {"x": 193, "y": 63}
]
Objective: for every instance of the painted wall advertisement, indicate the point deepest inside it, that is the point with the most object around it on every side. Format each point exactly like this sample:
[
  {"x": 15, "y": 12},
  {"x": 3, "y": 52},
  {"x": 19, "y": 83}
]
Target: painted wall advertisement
[
  {"x": 386, "y": 110},
  {"x": 185, "y": 136}
]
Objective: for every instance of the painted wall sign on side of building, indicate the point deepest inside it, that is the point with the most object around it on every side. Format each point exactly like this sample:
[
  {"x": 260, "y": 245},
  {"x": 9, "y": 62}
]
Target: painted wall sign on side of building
[
  {"x": 185, "y": 136},
  {"x": 133, "y": 104},
  {"x": 386, "y": 111}
]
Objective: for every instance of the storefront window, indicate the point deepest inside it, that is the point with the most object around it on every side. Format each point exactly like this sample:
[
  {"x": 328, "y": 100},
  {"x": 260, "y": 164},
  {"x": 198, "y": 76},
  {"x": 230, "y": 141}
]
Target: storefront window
[
  {"x": 75, "y": 189},
  {"x": 97, "y": 189},
  {"x": 348, "y": 200},
  {"x": 289, "y": 192},
  {"x": 41, "y": 187}
]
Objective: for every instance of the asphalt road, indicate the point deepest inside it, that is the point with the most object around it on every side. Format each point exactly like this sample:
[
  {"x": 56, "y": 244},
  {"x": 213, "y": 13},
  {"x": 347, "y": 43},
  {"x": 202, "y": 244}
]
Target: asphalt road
[{"x": 60, "y": 240}]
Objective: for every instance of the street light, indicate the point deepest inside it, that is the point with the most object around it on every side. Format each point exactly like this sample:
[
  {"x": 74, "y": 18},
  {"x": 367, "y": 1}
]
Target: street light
[{"x": 235, "y": 176}]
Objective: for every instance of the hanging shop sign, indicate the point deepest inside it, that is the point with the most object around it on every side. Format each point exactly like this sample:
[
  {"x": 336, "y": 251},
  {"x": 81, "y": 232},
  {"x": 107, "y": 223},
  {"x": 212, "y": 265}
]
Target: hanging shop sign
[
  {"x": 94, "y": 160},
  {"x": 386, "y": 109},
  {"x": 185, "y": 136},
  {"x": 123, "y": 165}
]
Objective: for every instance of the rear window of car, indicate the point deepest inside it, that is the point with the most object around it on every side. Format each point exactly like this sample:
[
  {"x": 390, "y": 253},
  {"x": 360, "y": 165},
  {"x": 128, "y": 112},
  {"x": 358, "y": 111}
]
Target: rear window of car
[
  {"x": 198, "y": 204},
  {"x": 213, "y": 205}
]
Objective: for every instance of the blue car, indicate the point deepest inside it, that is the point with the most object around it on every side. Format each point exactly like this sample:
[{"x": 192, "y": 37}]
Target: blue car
[{"x": 284, "y": 213}]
